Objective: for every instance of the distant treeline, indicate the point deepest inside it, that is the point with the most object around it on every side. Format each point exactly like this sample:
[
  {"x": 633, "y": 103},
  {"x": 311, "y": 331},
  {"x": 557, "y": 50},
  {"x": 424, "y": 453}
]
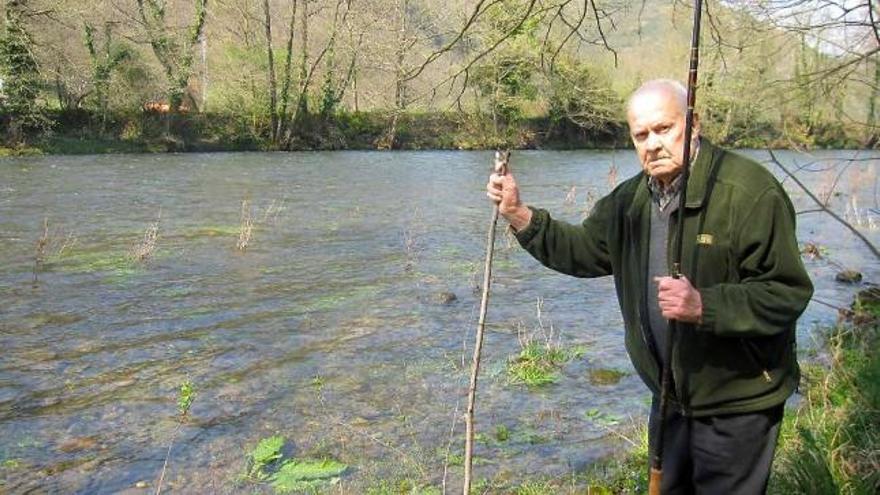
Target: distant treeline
[{"x": 157, "y": 75}]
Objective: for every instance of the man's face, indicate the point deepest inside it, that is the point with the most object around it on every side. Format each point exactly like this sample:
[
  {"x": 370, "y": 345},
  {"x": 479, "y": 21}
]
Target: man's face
[{"x": 656, "y": 123}]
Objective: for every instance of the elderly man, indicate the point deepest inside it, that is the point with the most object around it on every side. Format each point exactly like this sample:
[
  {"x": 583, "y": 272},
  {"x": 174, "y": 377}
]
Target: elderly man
[{"x": 733, "y": 360}]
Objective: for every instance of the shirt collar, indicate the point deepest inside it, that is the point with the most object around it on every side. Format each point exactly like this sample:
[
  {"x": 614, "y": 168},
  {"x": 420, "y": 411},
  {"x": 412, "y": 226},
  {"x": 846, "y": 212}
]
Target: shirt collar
[{"x": 664, "y": 195}]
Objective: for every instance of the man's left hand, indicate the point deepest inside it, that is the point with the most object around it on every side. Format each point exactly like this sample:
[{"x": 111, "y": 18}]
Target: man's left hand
[{"x": 679, "y": 300}]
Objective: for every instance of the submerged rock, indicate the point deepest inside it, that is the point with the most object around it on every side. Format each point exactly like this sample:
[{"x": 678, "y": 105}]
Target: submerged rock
[
  {"x": 848, "y": 277},
  {"x": 605, "y": 376},
  {"x": 77, "y": 444},
  {"x": 446, "y": 297}
]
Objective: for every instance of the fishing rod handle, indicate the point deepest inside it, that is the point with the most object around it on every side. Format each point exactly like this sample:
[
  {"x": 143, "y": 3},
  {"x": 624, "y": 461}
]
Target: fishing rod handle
[{"x": 656, "y": 477}]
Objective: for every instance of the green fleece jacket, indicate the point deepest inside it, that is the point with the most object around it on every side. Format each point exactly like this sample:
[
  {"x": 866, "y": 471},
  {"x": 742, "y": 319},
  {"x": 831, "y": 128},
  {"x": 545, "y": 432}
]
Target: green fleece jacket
[{"x": 739, "y": 251}]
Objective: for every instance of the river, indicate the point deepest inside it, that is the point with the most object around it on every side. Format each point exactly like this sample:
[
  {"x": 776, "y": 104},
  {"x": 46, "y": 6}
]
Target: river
[{"x": 336, "y": 325}]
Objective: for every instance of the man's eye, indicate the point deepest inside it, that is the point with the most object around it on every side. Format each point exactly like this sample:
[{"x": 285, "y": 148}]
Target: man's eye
[{"x": 641, "y": 136}]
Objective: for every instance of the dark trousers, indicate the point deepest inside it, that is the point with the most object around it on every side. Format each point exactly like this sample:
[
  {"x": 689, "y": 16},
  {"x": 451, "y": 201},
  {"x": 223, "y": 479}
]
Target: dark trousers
[{"x": 716, "y": 455}]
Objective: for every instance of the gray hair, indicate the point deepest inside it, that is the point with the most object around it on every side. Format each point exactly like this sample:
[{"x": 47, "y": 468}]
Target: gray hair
[{"x": 673, "y": 87}]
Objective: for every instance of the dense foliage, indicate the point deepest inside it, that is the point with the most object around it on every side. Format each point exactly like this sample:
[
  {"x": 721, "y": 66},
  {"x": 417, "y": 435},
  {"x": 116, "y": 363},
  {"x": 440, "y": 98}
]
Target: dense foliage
[{"x": 295, "y": 74}]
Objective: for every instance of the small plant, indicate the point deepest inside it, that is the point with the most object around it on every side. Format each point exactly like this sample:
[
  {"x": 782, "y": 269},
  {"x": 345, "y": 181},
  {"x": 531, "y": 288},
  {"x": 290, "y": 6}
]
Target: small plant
[
  {"x": 318, "y": 382},
  {"x": 47, "y": 243},
  {"x": 267, "y": 451},
  {"x": 602, "y": 418},
  {"x": 612, "y": 176},
  {"x": 541, "y": 354},
  {"x": 266, "y": 463},
  {"x": 412, "y": 245},
  {"x": 536, "y": 365},
  {"x": 40, "y": 249},
  {"x": 185, "y": 397},
  {"x": 246, "y": 226},
  {"x": 145, "y": 249},
  {"x": 296, "y": 475},
  {"x": 502, "y": 433},
  {"x": 270, "y": 214}
]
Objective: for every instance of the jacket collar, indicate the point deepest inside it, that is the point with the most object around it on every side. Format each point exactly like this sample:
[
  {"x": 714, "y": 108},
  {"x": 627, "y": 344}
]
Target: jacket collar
[
  {"x": 698, "y": 181},
  {"x": 701, "y": 172}
]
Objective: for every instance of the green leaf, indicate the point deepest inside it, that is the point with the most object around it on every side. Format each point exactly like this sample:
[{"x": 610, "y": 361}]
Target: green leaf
[
  {"x": 310, "y": 469},
  {"x": 298, "y": 475},
  {"x": 268, "y": 450}
]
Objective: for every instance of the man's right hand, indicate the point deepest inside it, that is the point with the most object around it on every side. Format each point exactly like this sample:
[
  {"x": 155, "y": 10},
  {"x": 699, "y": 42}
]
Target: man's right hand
[{"x": 503, "y": 191}]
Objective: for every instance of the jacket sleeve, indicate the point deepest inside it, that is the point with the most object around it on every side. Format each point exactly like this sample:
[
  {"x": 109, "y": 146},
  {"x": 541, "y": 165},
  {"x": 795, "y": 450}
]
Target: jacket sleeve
[
  {"x": 577, "y": 250},
  {"x": 773, "y": 288}
]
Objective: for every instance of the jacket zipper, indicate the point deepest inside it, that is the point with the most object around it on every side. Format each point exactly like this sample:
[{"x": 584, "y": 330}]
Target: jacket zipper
[
  {"x": 676, "y": 379},
  {"x": 643, "y": 310}
]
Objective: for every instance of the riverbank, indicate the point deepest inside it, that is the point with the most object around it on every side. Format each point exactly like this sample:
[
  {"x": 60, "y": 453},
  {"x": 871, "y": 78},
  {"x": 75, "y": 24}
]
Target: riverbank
[
  {"x": 829, "y": 444},
  {"x": 84, "y": 132}
]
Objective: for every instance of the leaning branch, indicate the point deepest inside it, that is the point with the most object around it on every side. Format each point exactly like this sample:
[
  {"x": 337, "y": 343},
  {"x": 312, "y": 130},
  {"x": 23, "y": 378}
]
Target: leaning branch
[
  {"x": 823, "y": 207},
  {"x": 602, "y": 33},
  {"x": 478, "y": 10}
]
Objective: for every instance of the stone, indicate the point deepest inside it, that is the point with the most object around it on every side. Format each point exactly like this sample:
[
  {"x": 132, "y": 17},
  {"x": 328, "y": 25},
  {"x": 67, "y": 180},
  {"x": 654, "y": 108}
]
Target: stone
[
  {"x": 848, "y": 277},
  {"x": 446, "y": 297},
  {"x": 79, "y": 443}
]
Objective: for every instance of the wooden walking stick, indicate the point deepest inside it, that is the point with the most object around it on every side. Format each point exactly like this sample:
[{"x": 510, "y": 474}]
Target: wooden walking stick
[
  {"x": 656, "y": 477},
  {"x": 502, "y": 163}
]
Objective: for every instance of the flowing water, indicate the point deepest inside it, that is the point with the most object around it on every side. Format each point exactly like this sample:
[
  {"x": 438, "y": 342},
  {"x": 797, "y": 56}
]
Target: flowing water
[{"x": 334, "y": 327}]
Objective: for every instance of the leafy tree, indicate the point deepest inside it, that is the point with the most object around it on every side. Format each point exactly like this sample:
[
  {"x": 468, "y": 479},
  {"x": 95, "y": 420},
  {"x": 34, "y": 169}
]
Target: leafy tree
[
  {"x": 508, "y": 84},
  {"x": 21, "y": 75},
  {"x": 103, "y": 65},
  {"x": 175, "y": 53},
  {"x": 581, "y": 95}
]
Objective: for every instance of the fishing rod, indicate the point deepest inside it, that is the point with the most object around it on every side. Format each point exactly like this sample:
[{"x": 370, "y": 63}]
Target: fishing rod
[
  {"x": 656, "y": 477},
  {"x": 501, "y": 167}
]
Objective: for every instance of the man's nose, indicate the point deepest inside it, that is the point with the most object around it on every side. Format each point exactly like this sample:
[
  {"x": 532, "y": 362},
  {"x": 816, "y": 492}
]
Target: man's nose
[{"x": 653, "y": 142}]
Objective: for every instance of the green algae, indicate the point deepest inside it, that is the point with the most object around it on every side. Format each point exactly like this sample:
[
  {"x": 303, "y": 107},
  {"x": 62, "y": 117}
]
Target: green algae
[
  {"x": 606, "y": 376},
  {"x": 212, "y": 231},
  {"x": 116, "y": 262}
]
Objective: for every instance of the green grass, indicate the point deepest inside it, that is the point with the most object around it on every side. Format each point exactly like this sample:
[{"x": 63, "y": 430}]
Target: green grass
[
  {"x": 605, "y": 376},
  {"x": 539, "y": 364},
  {"x": 404, "y": 486},
  {"x": 831, "y": 444}
]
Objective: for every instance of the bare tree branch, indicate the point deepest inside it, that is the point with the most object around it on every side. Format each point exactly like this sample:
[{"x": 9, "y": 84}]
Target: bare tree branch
[{"x": 823, "y": 207}]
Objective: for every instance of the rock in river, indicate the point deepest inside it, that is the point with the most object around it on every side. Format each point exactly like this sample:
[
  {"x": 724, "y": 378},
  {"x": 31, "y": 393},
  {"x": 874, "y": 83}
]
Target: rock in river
[
  {"x": 849, "y": 277},
  {"x": 446, "y": 297}
]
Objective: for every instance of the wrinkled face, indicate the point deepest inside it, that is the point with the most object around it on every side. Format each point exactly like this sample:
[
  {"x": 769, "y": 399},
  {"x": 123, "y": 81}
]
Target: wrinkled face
[{"x": 656, "y": 122}]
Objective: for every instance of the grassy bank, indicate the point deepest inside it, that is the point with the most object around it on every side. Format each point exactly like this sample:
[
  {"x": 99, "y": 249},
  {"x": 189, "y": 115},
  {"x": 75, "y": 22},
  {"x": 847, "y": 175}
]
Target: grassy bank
[
  {"x": 84, "y": 132},
  {"x": 829, "y": 443}
]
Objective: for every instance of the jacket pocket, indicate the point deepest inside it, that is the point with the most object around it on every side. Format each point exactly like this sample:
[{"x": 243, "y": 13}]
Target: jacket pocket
[
  {"x": 757, "y": 360},
  {"x": 712, "y": 261}
]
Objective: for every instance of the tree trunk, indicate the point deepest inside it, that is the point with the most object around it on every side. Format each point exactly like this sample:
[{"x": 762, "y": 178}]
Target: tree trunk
[
  {"x": 204, "y": 47},
  {"x": 302, "y": 103},
  {"x": 872, "y": 133},
  {"x": 288, "y": 73},
  {"x": 273, "y": 89}
]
